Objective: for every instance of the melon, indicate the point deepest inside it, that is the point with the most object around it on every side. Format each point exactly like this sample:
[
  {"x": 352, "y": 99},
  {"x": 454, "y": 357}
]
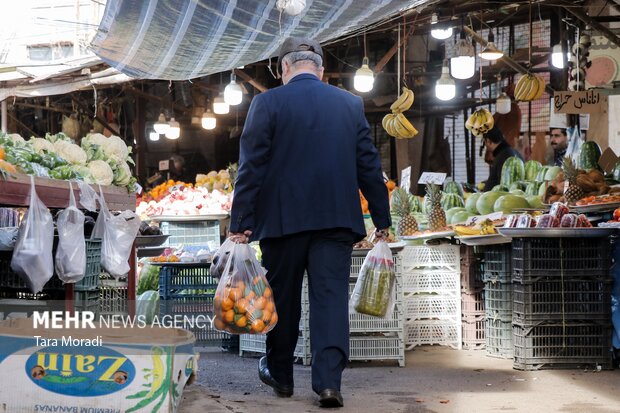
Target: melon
[
  {"x": 453, "y": 187},
  {"x": 461, "y": 217},
  {"x": 485, "y": 203},
  {"x": 451, "y": 200},
  {"x": 470, "y": 204},
  {"x": 535, "y": 201},
  {"x": 450, "y": 213},
  {"x": 552, "y": 172},
  {"x": 509, "y": 203},
  {"x": 147, "y": 305}
]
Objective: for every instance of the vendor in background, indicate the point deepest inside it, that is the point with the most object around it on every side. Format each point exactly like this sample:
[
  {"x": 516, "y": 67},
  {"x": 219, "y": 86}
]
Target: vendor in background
[
  {"x": 559, "y": 143},
  {"x": 501, "y": 150}
]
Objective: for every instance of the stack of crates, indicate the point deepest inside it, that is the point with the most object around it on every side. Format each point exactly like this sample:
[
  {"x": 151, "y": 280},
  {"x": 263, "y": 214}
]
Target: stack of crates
[
  {"x": 472, "y": 298},
  {"x": 431, "y": 277},
  {"x": 86, "y": 292},
  {"x": 497, "y": 277},
  {"x": 562, "y": 303}
]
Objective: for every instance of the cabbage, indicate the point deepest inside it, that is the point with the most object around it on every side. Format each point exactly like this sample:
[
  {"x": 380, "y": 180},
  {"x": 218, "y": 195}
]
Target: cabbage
[
  {"x": 115, "y": 148},
  {"x": 70, "y": 152},
  {"x": 40, "y": 145},
  {"x": 101, "y": 172},
  {"x": 122, "y": 173}
]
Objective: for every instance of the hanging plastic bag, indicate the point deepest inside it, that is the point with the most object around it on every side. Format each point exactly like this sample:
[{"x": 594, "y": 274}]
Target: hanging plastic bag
[
  {"x": 71, "y": 251},
  {"x": 220, "y": 258},
  {"x": 375, "y": 283},
  {"x": 575, "y": 140},
  {"x": 120, "y": 232},
  {"x": 32, "y": 258},
  {"x": 103, "y": 215},
  {"x": 244, "y": 300},
  {"x": 88, "y": 196}
]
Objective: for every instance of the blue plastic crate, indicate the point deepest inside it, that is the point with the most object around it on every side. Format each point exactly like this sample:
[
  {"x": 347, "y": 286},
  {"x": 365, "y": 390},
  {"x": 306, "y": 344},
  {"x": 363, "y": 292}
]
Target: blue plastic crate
[{"x": 179, "y": 280}]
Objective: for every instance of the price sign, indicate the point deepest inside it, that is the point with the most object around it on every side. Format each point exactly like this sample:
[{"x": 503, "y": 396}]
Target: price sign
[
  {"x": 137, "y": 188},
  {"x": 493, "y": 217},
  {"x": 432, "y": 178},
  {"x": 405, "y": 178},
  {"x": 164, "y": 165}
]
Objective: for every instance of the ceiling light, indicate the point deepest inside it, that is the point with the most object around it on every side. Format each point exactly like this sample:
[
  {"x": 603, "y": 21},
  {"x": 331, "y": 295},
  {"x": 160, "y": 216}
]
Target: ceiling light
[
  {"x": 463, "y": 63},
  {"x": 364, "y": 77},
  {"x": 220, "y": 106},
  {"x": 503, "y": 104},
  {"x": 174, "y": 131},
  {"x": 490, "y": 51},
  {"x": 208, "y": 120},
  {"x": 445, "y": 89},
  {"x": 161, "y": 126},
  {"x": 154, "y": 136},
  {"x": 434, "y": 18},
  {"x": 233, "y": 95},
  {"x": 557, "y": 60},
  {"x": 442, "y": 34}
]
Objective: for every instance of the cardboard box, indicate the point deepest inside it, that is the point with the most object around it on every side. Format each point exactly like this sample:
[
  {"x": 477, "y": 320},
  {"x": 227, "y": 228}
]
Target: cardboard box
[{"x": 115, "y": 370}]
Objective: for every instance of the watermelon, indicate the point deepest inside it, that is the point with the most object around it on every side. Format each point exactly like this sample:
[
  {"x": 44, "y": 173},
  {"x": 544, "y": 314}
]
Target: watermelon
[
  {"x": 542, "y": 189},
  {"x": 540, "y": 176},
  {"x": 416, "y": 203},
  {"x": 500, "y": 188},
  {"x": 532, "y": 168},
  {"x": 460, "y": 217},
  {"x": 453, "y": 187},
  {"x": 521, "y": 185},
  {"x": 508, "y": 203},
  {"x": 517, "y": 192},
  {"x": 450, "y": 213},
  {"x": 513, "y": 170},
  {"x": 147, "y": 305},
  {"x": 552, "y": 172},
  {"x": 535, "y": 201},
  {"x": 470, "y": 204},
  {"x": 449, "y": 201},
  {"x": 485, "y": 203},
  {"x": 532, "y": 188},
  {"x": 589, "y": 155},
  {"x": 616, "y": 172}
]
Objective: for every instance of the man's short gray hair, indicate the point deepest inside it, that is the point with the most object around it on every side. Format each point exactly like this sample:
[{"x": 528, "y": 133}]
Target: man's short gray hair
[{"x": 294, "y": 57}]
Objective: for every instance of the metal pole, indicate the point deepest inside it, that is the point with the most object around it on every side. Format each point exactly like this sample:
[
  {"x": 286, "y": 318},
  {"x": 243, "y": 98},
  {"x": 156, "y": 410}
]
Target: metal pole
[{"x": 3, "y": 116}]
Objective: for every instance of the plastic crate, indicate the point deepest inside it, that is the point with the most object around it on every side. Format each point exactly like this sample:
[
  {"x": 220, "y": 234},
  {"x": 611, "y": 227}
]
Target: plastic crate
[
  {"x": 473, "y": 334},
  {"x": 562, "y": 300},
  {"x": 362, "y": 323},
  {"x": 431, "y": 281},
  {"x": 175, "y": 280},
  {"x": 10, "y": 279},
  {"x": 536, "y": 259},
  {"x": 472, "y": 305},
  {"x": 433, "y": 307},
  {"x": 562, "y": 345},
  {"x": 498, "y": 338},
  {"x": 498, "y": 300},
  {"x": 113, "y": 297},
  {"x": 435, "y": 256},
  {"x": 93, "y": 267},
  {"x": 471, "y": 277},
  {"x": 377, "y": 348},
  {"x": 87, "y": 300},
  {"x": 191, "y": 233},
  {"x": 497, "y": 258},
  {"x": 255, "y": 343},
  {"x": 429, "y": 332}
]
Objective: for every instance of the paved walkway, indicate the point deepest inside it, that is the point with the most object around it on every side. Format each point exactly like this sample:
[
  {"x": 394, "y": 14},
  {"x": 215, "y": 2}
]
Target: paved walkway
[{"x": 436, "y": 379}]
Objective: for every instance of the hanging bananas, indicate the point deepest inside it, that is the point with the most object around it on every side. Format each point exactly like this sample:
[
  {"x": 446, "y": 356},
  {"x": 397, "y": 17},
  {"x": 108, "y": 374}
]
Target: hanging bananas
[
  {"x": 480, "y": 122},
  {"x": 395, "y": 123},
  {"x": 529, "y": 87}
]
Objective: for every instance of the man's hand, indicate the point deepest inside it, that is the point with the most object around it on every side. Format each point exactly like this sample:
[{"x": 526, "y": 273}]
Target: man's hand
[
  {"x": 382, "y": 234},
  {"x": 240, "y": 237}
]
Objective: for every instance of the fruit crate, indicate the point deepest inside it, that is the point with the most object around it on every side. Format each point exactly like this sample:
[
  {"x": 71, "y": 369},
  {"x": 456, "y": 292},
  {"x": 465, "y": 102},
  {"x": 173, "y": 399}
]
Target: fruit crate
[
  {"x": 557, "y": 345},
  {"x": 498, "y": 338},
  {"x": 472, "y": 305},
  {"x": 498, "y": 258},
  {"x": 191, "y": 233},
  {"x": 388, "y": 347},
  {"x": 498, "y": 300},
  {"x": 432, "y": 307},
  {"x": 473, "y": 334},
  {"x": 471, "y": 269},
  {"x": 430, "y": 332},
  {"x": 93, "y": 267},
  {"x": 430, "y": 256},
  {"x": 87, "y": 300},
  {"x": 113, "y": 297},
  {"x": 176, "y": 280},
  {"x": 562, "y": 300},
  {"x": 255, "y": 343},
  {"x": 443, "y": 282},
  {"x": 535, "y": 259}
]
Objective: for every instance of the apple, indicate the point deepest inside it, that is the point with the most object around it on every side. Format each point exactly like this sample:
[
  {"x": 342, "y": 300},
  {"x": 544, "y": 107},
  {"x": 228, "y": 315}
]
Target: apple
[{"x": 617, "y": 214}]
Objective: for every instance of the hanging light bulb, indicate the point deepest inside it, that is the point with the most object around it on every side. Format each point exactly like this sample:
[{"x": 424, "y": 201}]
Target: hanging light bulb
[
  {"x": 503, "y": 104},
  {"x": 364, "y": 77},
  {"x": 490, "y": 51},
  {"x": 175, "y": 129},
  {"x": 463, "y": 63},
  {"x": 220, "y": 106},
  {"x": 208, "y": 120},
  {"x": 439, "y": 33},
  {"x": 233, "y": 95},
  {"x": 557, "y": 59},
  {"x": 445, "y": 89},
  {"x": 161, "y": 126},
  {"x": 154, "y": 136}
]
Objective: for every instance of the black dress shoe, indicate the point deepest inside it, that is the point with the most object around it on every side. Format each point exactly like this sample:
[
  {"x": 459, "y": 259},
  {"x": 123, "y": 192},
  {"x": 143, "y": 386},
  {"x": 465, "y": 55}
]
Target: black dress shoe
[
  {"x": 265, "y": 376},
  {"x": 330, "y": 398}
]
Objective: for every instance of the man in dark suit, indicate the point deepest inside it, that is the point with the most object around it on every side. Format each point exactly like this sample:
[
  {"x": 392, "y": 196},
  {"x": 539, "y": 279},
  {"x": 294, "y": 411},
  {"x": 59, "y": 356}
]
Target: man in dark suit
[{"x": 305, "y": 150}]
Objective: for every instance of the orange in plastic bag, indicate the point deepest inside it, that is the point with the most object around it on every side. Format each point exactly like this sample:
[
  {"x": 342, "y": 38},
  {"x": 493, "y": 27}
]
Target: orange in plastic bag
[{"x": 243, "y": 300}]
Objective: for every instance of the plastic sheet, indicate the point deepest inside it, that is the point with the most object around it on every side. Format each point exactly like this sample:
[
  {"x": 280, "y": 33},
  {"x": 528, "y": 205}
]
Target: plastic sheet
[{"x": 185, "y": 39}]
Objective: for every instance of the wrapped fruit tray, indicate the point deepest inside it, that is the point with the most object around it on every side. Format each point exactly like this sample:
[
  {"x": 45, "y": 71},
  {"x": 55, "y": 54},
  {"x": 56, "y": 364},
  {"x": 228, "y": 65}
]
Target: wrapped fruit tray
[
  {"x": 556, "y": 232},
  {"x": 606, "y": 206}
]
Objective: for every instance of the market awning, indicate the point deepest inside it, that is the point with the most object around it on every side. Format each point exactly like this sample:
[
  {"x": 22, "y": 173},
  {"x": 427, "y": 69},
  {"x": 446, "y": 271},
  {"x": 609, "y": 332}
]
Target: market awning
[{"x": 185, "y": 39}]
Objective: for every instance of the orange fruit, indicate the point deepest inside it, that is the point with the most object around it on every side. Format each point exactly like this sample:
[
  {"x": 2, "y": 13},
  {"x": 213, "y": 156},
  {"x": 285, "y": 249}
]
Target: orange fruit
[
  {"x": 274, "y": 318},
  {"x": 256, "y": 280},
  {"x": 258, "y": 326},
  {"x": 390, "y": 184},
  {"x": 229, "y": 316},
  {"x": 219, "y": 324},
  {"x": 251, "y": 295},
  {"x": 240, "y": 285},
  {"x": 227, "y": 304},
  {"x": 241, "y": 306},
  {"x": 241, "y": 321},
  {"x": 217, "y": 302},
  {"x": 267, "y": 293},
  {"x": 235, "y": 294},
  {"x": 270, "y": 306},
  {"x": 260, "y": 303},
  {"x": 254, "y": 314},
  {"x": 266, "y": 316}
]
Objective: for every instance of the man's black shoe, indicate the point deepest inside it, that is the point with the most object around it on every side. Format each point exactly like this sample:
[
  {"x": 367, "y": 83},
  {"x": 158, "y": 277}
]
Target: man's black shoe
[
  {"x": 330, "y": 398},
  {"x": 266, "y": 377}
]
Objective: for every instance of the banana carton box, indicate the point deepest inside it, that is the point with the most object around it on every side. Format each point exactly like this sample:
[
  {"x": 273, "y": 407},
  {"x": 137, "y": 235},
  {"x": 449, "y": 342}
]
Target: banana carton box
[{"x": 114, "y": 370}]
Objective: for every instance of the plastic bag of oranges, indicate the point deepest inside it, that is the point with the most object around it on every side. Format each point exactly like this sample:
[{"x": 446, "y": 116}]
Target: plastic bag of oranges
[{"x": 243, "y": 302}]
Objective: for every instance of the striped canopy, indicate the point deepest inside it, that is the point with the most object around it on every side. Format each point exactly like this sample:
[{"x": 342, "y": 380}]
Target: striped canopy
[{"x": 185, "y": 39}]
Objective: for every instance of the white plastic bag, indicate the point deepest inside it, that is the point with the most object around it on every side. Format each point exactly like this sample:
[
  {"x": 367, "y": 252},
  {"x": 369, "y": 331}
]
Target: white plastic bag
[
  {"x": 88, "y": 196},
  {"x": 71, "y": 251},
  {"x": 32, "y": 258},
  {"x": 103, "y": 215}
]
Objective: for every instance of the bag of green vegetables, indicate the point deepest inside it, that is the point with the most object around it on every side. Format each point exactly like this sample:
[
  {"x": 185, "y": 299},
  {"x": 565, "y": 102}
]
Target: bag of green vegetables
[{"x": 375, "y": 283}]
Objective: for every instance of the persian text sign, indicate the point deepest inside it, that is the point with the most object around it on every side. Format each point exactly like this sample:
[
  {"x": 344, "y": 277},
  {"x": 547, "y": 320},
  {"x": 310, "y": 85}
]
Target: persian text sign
[{"x": 589, "y": 101}]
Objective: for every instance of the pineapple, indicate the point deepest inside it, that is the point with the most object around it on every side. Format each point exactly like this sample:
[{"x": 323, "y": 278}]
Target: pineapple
[
  {"x": 402, "y": 207},
  {"x": 574, "y": 192},
  {"x": 435, "y": 214}
]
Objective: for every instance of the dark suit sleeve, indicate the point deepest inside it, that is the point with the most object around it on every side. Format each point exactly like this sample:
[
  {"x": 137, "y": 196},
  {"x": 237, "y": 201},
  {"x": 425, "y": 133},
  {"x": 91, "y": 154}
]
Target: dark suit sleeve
[
  {"x": 254, "y": 151},
  {"x": 369, "y": 176}
]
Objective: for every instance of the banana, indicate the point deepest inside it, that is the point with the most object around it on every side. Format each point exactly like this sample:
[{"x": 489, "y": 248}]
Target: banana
[
  {"x": 400, "y": 102},
  {"x": 541, "y": 87},
  {"x": 385, "y": 119},
  {"x": 390, "y": 127},
  {"x": 519, "y": 87},
  {"x": 406, "y": 124},
  {"x": 533, "y": 89},
  {"x": 465, "y": 230},
  {"x": 408, "y": 102}
]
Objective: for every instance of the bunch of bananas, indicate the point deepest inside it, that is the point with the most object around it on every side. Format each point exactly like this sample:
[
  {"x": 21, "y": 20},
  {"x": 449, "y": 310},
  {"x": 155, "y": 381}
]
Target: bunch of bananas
[
  {"x": 529, "y": 87},
  {"x": 395, "y": 123},
  {"x": 486, "y": 227},
  {"x": 480, "y": 122}
]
